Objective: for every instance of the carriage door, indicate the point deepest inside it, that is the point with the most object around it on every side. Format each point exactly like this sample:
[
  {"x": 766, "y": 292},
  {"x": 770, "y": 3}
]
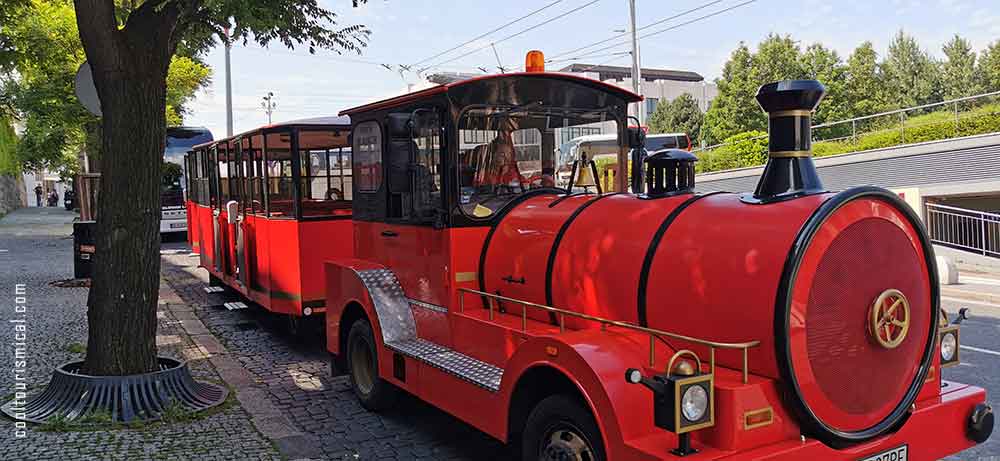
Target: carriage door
[
  {"x": 220, "y": 196},
  {"x": 414, "y": 234},
  {"x": 244, "y": 161}
]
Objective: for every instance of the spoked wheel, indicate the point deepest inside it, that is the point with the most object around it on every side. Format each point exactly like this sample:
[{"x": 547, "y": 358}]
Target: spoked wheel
[
  {"x": 560, "y": 429},
  {"x": 374, "y": 392}
]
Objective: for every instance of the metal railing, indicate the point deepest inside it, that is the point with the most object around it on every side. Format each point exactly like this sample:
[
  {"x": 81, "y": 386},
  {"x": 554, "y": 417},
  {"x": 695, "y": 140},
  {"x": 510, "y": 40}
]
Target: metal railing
[
  {"x": 850, "y": 130},
  {"x": 653, "y": 333},
  {"x": 970, "y": 230}
]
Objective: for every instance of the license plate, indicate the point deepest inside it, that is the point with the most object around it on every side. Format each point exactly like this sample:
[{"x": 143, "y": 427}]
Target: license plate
[
  {"x": 178, "y": 225},
  {"x": 896, "y": 454}
]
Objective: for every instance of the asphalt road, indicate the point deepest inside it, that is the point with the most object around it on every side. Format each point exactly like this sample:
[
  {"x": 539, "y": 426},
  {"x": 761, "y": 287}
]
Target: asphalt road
[{"x": 980, "y": 355}]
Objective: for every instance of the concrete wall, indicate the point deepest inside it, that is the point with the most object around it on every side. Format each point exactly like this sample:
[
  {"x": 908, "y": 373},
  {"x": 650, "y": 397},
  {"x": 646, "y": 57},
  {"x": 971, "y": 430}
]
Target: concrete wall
[{"x": 11, "y": 194}]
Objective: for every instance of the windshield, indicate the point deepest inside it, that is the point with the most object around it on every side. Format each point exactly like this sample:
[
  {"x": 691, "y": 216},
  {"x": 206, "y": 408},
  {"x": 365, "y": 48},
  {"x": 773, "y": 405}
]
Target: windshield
[{"x": 506, "y": 151}]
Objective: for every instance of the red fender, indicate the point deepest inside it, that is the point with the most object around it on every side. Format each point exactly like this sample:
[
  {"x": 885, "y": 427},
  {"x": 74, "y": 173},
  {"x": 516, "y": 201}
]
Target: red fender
[{"x": 596, "y": 364}]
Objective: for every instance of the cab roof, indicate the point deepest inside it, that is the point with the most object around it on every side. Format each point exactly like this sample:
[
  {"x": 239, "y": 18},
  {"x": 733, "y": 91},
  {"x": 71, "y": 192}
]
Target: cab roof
[{"x": 597, "y": 85}]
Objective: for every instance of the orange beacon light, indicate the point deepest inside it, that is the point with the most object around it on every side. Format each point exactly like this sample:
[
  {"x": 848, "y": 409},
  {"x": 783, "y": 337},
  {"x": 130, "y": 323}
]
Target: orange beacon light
[{"x": 534, "y": 61}]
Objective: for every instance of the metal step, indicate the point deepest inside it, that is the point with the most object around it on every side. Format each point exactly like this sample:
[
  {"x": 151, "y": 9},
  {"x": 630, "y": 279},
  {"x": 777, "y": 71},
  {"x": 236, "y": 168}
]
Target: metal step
[
  {"x": 235, "y": 306},
  {"x": 214, "y": 289},
  {"x": 464, "y": 367}
]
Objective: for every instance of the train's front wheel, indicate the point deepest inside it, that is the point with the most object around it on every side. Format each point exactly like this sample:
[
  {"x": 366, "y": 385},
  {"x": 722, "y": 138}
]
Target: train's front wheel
[
  {"x": 560, "y": 428},
  {"x": 374, "y": 392}
]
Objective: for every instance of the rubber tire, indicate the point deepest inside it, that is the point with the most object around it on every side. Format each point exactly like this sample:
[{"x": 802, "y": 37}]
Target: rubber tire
[
  {"x": 383, "y": 394},
  {"x": 554, "y": 409}
]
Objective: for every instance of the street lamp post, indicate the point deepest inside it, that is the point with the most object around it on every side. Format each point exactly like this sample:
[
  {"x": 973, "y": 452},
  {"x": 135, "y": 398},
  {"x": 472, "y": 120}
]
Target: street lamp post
[
  {"x": 269, "y": 105},
  {"x": 636, "y": 68}
]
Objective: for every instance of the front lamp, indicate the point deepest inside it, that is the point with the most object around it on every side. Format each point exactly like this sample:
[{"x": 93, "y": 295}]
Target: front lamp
[
  {"x": 694, "y": 403},
  {"x": 948, "y": 343}
]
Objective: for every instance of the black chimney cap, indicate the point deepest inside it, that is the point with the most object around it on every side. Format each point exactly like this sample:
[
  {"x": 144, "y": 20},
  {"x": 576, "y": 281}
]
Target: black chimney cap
[{"x": 790, "y": 95}]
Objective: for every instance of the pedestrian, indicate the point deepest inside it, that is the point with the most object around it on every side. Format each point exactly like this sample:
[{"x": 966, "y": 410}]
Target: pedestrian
[{"x": 38, "y": 194}]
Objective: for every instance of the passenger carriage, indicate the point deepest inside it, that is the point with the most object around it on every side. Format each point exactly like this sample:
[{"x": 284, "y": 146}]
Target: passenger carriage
[
  {"x": 791, "y": 323},
  {"x": 270, "y": 205}
]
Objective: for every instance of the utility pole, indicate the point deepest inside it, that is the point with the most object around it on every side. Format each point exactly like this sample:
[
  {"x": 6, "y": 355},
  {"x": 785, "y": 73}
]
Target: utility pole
[
  {"x": 269, "y": 105},
  {"x": 229, "y": 89},
  {"x": 636, "y": 68}
]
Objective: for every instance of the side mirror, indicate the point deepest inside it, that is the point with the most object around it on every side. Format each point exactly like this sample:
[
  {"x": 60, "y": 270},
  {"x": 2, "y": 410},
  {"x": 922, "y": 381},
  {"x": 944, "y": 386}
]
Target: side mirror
[{"x": 636, "y": 137}]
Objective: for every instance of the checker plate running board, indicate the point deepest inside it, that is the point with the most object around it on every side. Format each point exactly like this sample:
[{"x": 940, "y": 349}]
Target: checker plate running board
[
  {"x": 467, "y": 368},
  {"x": 235, "y": 306},
  {"x": 214, "y": 289}
]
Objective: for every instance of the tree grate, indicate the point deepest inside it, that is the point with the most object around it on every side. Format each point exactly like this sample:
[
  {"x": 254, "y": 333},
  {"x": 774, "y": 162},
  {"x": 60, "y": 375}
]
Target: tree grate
[{"x": 146, "y": 397}]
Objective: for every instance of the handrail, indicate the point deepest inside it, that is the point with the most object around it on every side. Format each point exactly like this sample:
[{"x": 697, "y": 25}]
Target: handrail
[
  {"x": 865, "y": 117},
  {"x": 712, "y": 345},
  {"x": 963, "y": 210}
]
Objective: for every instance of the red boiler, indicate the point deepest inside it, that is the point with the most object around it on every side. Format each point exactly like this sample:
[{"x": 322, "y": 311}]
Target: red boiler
[{"x": 837, "y": 286}]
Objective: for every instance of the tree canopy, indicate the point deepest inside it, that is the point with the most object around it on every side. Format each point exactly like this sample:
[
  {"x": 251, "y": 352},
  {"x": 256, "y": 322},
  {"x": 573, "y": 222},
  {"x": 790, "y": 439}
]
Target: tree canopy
[
  {"x": 41, "y": 53},
  {"x": 682, "y": 115},
  {"x": 864, "y": 84}
]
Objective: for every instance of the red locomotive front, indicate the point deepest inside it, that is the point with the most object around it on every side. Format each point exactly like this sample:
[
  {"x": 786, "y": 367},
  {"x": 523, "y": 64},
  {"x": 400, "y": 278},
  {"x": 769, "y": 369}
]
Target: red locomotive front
[{"x": 788, "y": 323}]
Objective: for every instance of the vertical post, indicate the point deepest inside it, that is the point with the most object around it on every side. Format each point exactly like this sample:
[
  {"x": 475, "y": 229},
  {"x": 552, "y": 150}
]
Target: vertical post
[
  {"x": 746, "y": 367},
  {"x": 229, "y": 89},
  {"x": 982, "y": 233},
  {"x": 902, "y": 128},
  {"x": 524, "y": 317},
  {"x": 562, "y": 322},
  {"x": 854, "y": 131},
  {"x": 652, "y": 352},
  {"x": 636, "y": 69},
  {"x": 461, "y": 301},
  {"x": 957, "y": 121},
  {"x": 711, "y": 358}
]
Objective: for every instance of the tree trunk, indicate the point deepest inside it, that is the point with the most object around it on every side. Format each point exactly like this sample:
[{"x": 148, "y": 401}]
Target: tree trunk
[
  {"x": 130, "y": 72},
  {"x": 121, "y": 309}
]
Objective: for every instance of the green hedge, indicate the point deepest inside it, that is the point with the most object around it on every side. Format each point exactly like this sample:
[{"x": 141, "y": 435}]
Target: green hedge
[
  {"x": 744, "y": 152},
  {"x": 8, "y": 145}
]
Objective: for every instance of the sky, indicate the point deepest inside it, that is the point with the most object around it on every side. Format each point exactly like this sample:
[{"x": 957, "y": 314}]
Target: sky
[{"x": 406, "y": 32}]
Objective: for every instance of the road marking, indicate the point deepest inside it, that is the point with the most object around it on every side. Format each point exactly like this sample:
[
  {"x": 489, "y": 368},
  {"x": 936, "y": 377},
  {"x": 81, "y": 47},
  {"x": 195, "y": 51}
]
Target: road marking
[
  {"x": 966, "y": 301},
  {"x": 985, "y": 351},
  {"x": 979, "y": 280},
  {"x": 4, "y": 251}
]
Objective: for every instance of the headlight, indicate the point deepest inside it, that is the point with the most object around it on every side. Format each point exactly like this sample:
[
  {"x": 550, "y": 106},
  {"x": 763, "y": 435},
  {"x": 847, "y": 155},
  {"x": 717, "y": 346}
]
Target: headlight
[
  {"x": 949, "y": 344},
  {"x": 694, "y": 403}
]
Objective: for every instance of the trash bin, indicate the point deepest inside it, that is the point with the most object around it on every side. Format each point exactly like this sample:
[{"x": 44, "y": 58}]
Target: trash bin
[{"x": 83, "y": 248}]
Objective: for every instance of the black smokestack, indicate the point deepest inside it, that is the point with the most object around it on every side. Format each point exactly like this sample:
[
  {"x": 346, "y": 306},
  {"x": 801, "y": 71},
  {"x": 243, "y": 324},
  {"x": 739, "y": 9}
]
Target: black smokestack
[{"x": 790, "y": 171}]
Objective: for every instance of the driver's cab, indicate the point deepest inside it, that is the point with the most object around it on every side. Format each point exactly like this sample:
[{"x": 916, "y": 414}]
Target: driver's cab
[{"x": 435, "y": 170}]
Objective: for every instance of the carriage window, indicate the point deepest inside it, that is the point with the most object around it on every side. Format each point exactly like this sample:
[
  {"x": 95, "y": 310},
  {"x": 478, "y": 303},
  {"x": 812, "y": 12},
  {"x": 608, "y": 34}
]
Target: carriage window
[
  {"x": 427, "y": 174},
  {"x": 368, "y": 156},
  {"x": 507, "y": 151},
  {"x": 325, "y": 173},
  {"x": 278, "y": 168},
  {"x": 253, "y": 156},
  {"x": 224, "y": 186}
]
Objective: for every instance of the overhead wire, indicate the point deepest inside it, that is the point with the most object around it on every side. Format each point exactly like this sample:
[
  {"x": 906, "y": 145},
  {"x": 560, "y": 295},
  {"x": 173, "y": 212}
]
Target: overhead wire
[
  {"x": 508, "y": 37},
  {"x": 676, "y": 26},
  {"x": 647, "y": 26},
  {"x": 491, "y": 31}
]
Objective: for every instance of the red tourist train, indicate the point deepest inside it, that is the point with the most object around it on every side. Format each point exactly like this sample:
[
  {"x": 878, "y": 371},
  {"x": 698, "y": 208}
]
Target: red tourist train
[
  {"x": 259, "y": 203},
  {"x": 784, "y": 324}
]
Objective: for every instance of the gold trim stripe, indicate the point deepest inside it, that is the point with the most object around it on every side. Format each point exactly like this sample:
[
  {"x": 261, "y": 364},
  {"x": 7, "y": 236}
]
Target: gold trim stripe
[
  {"x": 465, "y": 277},
  {"x": 791, "y": 154},
  {"x": 791, "y": 113}
]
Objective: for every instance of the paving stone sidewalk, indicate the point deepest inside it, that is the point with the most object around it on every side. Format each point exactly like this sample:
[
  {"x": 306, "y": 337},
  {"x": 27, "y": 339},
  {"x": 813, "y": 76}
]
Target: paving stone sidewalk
[
  {"x": 35, "y": 250},
  {"x": 292, "y": 375}
]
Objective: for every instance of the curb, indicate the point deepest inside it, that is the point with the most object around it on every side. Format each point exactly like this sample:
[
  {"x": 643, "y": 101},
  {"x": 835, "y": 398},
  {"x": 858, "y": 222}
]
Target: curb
[
  {"x": 253, "y": 398},
  {"x": 970, "y": 295}
]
